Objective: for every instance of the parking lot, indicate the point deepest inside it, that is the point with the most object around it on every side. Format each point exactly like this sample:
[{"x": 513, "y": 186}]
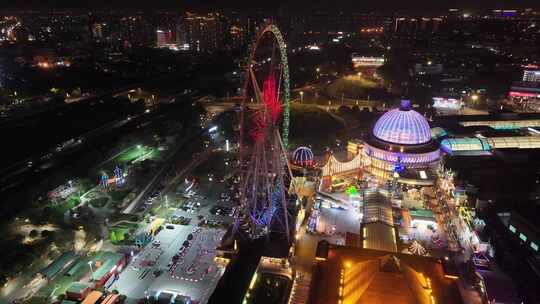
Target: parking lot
[
  {"x": 179, "y": 261},
  {"x": 164, "y": 267}
]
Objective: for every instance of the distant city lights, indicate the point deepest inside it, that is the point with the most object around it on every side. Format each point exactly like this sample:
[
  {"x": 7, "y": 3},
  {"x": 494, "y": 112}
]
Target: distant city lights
[
  {"x": 447, "y": 103},
  {"x": 366, "y": 61}
]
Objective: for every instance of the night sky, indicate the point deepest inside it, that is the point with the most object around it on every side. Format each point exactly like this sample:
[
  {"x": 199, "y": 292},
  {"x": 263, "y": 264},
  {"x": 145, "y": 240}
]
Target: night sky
[{"x": 271, "y": 4}]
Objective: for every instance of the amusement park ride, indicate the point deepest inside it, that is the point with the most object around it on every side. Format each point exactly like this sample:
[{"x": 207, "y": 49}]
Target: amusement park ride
[{"x": 265, "y": 174}]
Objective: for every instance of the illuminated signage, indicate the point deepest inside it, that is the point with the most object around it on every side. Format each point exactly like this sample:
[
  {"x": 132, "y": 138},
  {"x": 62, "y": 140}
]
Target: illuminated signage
[
  {"x": 366, "y": 61},
  {"x": 523, "y": 94},
  {"x": 447, "y": 103}
]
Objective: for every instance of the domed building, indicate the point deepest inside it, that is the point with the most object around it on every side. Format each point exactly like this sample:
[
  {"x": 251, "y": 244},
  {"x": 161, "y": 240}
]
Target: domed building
[
  {"x": 303, "y": 157},
  {"x": 401, "y": 147}
]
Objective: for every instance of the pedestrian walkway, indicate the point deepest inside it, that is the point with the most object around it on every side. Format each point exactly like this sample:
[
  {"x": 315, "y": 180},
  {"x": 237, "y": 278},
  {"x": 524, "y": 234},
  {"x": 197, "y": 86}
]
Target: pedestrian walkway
[{"x": 300, "y": 289}]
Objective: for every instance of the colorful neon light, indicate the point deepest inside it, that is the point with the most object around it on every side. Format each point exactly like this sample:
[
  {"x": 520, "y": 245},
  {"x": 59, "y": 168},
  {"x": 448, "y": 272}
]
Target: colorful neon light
[
  {"x": 351, "y": 190},
  {"x": 303, "y": 156},
  {"x": 523, "y": 94}
]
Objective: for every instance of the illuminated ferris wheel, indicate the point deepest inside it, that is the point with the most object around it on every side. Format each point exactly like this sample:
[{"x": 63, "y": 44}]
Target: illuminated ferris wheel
[
  {"x": 264, "y": 132},
  {"x": 268, "y": 58}
]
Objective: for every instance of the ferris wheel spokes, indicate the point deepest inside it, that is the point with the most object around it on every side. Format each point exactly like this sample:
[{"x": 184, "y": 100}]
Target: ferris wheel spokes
[{"x": 263, "y": 193}]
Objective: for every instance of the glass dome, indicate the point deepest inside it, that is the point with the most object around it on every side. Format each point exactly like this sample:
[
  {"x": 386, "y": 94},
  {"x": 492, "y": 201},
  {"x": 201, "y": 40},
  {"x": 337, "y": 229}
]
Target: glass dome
[{"x": 403, "y": 126}]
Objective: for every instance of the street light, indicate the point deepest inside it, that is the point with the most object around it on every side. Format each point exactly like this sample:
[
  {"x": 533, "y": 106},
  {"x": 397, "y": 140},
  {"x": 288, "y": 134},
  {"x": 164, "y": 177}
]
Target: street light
[
  {"x": 301, "y": 96},
  {"x": 139, "y": 147}
]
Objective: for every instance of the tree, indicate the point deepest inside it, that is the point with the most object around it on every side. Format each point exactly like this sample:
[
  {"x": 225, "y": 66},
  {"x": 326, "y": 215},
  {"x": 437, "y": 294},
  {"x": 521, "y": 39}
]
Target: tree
[
  {"x": 47, "y": 211},
  {"x": 33, "y": 233},
  {"x": 48, "y": 234},
  {"x": 112, "y": 236}
]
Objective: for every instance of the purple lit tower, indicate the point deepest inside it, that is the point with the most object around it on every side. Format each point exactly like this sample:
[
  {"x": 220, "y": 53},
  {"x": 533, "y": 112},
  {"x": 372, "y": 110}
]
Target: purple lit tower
[{"x": 401, "y": 147}]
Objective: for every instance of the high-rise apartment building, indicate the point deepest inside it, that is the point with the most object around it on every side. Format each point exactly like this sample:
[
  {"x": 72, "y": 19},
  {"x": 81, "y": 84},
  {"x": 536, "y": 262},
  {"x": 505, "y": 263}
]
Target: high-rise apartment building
[{"x": 202, "y": 32}]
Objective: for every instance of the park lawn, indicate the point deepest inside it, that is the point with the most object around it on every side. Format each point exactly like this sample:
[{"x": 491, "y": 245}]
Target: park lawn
[
  {"x": 117, "y": 234},
  {"x": 154, "y": 154},
  {"x": 133, "y": 153},
  {"x": 117, "y": 217},
  {"x": 352, "y": 87},
  {"x": 310, "y": 120},
  {"x": 37, "y": 300},
  {"x": 85, "y": 185},
  {"x": 99, "y": 202},
  {"x": 119, "y": 195},
  {"x": 72, "y": 201}
]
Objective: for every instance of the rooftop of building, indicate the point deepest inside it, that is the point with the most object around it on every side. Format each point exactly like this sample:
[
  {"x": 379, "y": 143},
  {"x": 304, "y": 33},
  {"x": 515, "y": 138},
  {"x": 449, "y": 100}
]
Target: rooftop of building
[
  {"x": 108, "y": 261},
  {"x": 377, "y": 223},
  {"x": 490, "y": 117},
  {"x": 59, "y": 263},
  {"x": 381, "y": 277},
  {"x": 77, "y": 287},
  {"x": 379, "y": 236}
]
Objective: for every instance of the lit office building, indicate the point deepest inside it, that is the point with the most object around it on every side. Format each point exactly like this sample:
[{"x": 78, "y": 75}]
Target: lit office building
[
  {"x": 526, "y": 93},
  {"x": 163, "y": 37},
  {"x": 202, "y": 32},
  {"x": 531, "y": 74}
]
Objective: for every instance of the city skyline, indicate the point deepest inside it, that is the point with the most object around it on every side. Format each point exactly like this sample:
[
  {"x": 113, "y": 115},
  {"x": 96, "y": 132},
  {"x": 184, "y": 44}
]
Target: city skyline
[
  {"x": 301, "y": 5},
  {"x": 237, "y": 152}
]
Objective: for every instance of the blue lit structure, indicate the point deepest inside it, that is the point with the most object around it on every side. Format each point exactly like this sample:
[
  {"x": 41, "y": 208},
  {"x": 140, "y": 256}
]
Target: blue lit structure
[
  {"x": 466, "y": 145},
  {"x": 263, "y": 217},
  {"x": 104, "y": 180},
  {"x": 119, "y": 176},
  {"x": 401, "y": 139},
  {"x": 303, "y": 157}
]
